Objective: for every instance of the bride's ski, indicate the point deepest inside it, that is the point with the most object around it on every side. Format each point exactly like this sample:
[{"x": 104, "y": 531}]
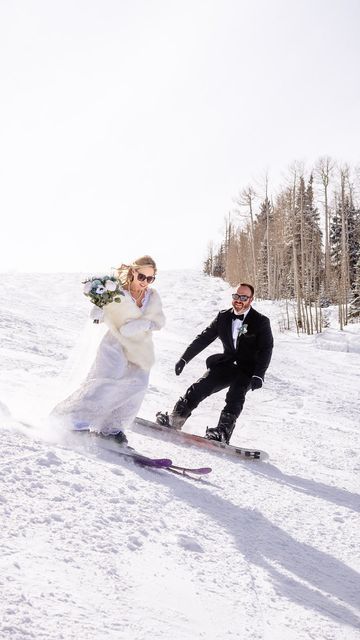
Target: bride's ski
[
  {"x": 145, "y": 461},
  {"x": 109, "y": 444},
  {"x": 188, "y": 472}
]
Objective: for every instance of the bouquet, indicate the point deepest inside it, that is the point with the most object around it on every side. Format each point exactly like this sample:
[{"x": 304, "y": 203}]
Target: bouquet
[{"x": 102, "y": 290}]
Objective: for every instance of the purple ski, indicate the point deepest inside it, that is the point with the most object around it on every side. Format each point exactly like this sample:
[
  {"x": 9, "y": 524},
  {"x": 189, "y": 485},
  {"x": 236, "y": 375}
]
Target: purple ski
[
  {"x": 197, "y": 471},
  {"x": 188, "y": 472},
  {"x": 145, "y": 461},
  {"x": 109, "y": 444}
]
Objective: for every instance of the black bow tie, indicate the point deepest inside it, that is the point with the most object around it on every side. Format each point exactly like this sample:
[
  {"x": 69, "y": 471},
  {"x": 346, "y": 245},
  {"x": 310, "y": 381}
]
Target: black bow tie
[{"x": 235, "y": 316}]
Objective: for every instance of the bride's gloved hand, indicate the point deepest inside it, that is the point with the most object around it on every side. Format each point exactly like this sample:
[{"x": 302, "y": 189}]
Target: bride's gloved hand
[
  {"x": 96, "y": 314},
  {"x": 133, "y": 327}
]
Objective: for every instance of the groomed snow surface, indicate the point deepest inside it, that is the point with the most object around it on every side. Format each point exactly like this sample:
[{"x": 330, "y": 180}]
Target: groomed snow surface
[{"x": 94, "y": 547}]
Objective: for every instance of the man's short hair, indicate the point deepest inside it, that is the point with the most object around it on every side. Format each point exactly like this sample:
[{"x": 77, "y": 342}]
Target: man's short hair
[{"x": 245, "y": 284}]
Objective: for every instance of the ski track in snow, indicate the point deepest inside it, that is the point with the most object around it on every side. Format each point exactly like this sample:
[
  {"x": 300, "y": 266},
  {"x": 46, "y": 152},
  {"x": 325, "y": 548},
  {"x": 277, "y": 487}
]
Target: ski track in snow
[{"x": 94, "y": 547}]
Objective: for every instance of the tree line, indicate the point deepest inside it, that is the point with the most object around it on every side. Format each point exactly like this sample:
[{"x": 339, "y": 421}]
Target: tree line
[{"x": 301, "y": 244}]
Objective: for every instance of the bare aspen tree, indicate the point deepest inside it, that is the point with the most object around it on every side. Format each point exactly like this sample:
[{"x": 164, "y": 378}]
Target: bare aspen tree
[
  {"x": 268, "y": 262},
  {"x": 324, "y": 170},
  {"x": 344, "y": 277},
  {"x": 267, "y": 206},
  {"x": 294, "y": 244},
  {"x": 297, "y": 285},
  {"x": 281, "y": 243},
  {"x": 209, "y": 261},
  {"x": 231, "y": 252},
  {"x": 246, "y": 199},
  {"x": 302, "y": 239}
]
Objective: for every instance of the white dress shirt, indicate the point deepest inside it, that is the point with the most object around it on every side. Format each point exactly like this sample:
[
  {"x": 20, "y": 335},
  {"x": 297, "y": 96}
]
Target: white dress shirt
[{"x": 236, "y": 326}]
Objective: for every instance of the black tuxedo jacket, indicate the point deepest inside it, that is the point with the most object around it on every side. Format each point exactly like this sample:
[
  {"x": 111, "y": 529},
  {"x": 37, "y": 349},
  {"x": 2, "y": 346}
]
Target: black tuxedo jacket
[{"x": 254, "y": 349}]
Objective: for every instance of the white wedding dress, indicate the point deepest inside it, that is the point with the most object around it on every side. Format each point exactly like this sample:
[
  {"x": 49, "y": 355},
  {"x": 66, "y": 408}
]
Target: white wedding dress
[{"x": 114, "y": 387}]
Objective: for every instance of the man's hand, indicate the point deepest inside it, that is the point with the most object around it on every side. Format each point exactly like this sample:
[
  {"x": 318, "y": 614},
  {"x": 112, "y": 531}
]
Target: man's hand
[
  {"x": 256, "y": 383},
  {"x": 179, "y": 366}
]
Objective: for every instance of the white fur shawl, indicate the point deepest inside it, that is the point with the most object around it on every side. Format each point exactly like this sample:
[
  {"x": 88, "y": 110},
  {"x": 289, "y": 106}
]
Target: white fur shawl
[{"x": 139, "y": 348}]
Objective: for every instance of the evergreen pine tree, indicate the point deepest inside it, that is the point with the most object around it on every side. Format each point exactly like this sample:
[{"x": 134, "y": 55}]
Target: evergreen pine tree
[{"x": 354, "y": 305}]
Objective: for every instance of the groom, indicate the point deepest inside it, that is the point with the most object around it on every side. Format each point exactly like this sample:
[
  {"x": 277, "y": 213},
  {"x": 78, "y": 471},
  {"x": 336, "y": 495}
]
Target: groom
[{"x": 248, "y": 342}]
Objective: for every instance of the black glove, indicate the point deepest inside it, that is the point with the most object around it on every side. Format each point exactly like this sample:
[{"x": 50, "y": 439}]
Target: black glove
[
  {"x": 179, "y": 366},
  {"x": 256, "y": 383}
]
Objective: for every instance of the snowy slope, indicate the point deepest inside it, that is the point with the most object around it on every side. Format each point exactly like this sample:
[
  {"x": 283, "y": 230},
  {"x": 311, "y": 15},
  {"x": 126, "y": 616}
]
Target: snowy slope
[{"x": 93, "y": 547}]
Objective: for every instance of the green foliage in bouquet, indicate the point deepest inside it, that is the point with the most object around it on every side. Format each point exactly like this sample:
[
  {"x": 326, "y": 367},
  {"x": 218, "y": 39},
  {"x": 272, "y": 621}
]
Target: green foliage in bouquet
[{"x": 102, "y": 290}]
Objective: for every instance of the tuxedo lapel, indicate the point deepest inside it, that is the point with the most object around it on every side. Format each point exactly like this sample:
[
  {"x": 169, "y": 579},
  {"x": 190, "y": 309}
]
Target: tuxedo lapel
[
  {"x": 230, "y": 333},
  {"x": 250, "y": 317},
  {"x": 227, "y": 327}
]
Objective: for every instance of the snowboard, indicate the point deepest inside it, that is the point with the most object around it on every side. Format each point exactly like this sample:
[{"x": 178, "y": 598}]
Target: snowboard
[{"x": 190, "y": 438}]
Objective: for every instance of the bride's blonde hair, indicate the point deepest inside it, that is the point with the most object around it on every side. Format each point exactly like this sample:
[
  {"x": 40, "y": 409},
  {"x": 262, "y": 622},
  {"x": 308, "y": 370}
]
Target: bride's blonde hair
[{"x": 124, "y": 272}]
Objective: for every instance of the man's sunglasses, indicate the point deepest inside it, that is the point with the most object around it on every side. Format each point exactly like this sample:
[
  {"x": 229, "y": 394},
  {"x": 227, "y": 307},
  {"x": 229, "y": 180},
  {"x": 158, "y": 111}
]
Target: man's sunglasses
[
  {"x": 242, "y": 298},
  {"x": 142, "y": 277}
]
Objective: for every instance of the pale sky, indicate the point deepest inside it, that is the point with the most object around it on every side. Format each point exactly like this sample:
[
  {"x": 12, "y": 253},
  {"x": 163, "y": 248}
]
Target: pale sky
[{"x": 129, "y": 126}]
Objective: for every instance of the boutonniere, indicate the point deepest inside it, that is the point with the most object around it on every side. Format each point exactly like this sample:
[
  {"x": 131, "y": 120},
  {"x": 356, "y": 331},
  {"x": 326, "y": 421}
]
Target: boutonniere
[{"x": 243, "y": 330}]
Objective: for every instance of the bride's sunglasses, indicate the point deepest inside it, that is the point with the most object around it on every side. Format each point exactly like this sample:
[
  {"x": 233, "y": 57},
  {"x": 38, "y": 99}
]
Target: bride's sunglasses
[{"x": 142, "y": 277}]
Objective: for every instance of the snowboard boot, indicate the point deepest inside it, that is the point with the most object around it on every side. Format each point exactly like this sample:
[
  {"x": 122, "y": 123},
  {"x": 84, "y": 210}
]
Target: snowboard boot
[
  {"x": 177, "y": 417},
  {"x": 223, "y": 431}
]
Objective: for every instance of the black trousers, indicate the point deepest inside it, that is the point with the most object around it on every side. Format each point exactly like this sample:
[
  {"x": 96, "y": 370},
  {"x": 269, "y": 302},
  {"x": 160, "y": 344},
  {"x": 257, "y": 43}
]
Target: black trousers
[{"x": 220, "y": 377}]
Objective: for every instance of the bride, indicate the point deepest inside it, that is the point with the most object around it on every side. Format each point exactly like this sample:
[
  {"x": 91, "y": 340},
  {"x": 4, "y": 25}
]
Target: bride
[{"x": 109, "y": 398}]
